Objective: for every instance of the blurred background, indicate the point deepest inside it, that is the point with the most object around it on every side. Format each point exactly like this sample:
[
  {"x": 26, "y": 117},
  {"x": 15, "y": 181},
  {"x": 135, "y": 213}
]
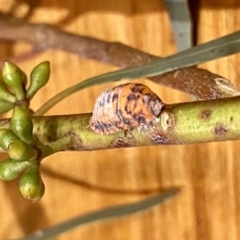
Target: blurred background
[{"x": 208, "y": 206}]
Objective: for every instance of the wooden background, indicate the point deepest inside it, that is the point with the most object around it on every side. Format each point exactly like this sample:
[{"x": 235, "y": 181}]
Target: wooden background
[{"x": 208, "y": 207}]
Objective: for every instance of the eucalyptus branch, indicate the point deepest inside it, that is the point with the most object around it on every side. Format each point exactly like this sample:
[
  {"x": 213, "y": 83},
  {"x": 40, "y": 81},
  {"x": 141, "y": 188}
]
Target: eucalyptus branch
[
  {"x": 196, "y": 81},
  {"x": 183, "y": 123}
]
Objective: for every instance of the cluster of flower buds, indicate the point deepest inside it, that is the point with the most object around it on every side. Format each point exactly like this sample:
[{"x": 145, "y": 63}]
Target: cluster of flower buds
[
  {"x": 18, "y": 140},
  {"x": 13, "y": 88}
]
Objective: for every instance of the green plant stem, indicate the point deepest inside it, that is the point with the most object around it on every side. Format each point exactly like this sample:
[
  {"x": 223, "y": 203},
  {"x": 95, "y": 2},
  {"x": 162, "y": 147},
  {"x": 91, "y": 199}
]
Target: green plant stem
[
  {"x": 183, "y": 123},
  {"x": 61, "y": 144}
]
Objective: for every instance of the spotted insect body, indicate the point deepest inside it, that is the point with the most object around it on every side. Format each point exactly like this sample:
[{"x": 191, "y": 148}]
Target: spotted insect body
[{"x": 125, "y": 107}]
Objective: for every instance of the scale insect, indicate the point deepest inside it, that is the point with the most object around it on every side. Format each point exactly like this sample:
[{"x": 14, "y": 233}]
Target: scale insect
[{"x": 125, "y": 107}]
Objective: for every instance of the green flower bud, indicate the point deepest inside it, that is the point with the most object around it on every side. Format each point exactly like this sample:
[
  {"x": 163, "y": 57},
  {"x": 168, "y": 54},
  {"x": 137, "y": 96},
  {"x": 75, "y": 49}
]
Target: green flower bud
[
  {"x": 5, "y": 106},
  {"x": 22, "y": 125},
  {"x": 31, "y": 185},
  {"x": 10, "y": 169},
  {"x": 15, "y": 78},
  {"x": 5, "y": 94},
  {"x": 38, "y": 78},
  {"x": 7, "y": 136},
  {"x": 21, "y": 151}
]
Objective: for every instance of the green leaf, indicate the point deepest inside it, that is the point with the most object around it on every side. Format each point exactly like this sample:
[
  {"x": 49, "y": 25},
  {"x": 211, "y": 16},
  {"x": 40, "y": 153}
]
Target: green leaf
[
  {"x": 105, "y": 214},
  {"x": 220, "y": 47}
]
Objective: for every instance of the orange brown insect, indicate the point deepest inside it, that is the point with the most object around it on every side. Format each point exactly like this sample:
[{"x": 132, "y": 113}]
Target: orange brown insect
[{"x": 125, "y": 107}]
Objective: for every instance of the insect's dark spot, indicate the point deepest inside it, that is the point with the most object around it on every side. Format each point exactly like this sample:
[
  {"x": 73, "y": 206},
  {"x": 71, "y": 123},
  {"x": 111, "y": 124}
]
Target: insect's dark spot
[
  {"x": 127, "y": 110},
  {"x": 108, "y": 97},
  {"x": 139, "y": 118},
  {"x": 220, "y": 130},
  {"x": 127, "y": 121},
  {"x": 115, "y": 97},
  {"x": 101, "y": 104},
  {"x": 159, "y": 138},
  {"x": 105, "y": 126},
  {"x": 132, "y": 97},
  {"x": 136, "y": 88},
  {"x": 206, "y": 114},
  {"x": 146, "y": 98},
  {"x": 139, "y": 88},
  {"x": 231, "y": 119},
  {"x": 98, "y": 125}
]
